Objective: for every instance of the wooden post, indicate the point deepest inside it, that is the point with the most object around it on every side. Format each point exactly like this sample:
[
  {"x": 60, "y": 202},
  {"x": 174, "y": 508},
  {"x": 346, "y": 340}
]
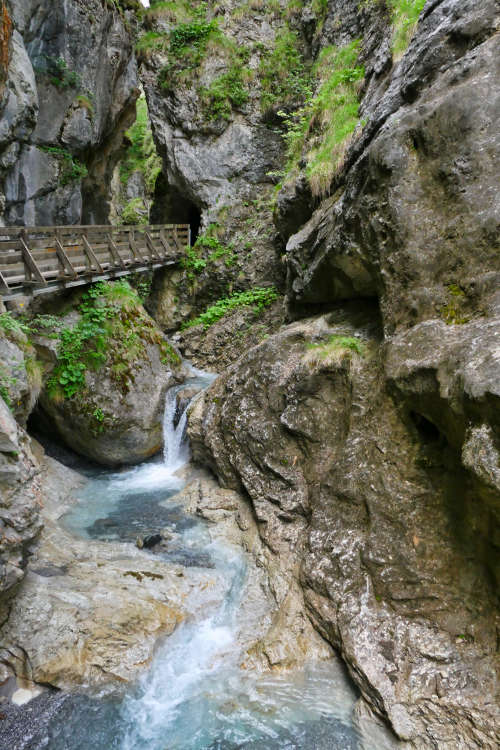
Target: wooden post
[
  {"x": 151, "y": 246},
  {"x": 114, "y": 252},
  {"x": 31, "y": 270},
  {"x": 4, "y": 287},
  {"x": 133, "y": 246},
  {"x": 65, "y": 264},
  {"x": 92, "y": 261}
]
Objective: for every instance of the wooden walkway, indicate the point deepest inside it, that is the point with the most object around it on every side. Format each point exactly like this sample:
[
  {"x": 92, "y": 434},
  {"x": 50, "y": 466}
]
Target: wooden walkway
[{"x": 37, "y": 260}]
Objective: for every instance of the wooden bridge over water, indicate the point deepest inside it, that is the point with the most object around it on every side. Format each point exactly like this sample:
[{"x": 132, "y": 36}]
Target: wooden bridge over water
[{"x": 37, "y": 260}]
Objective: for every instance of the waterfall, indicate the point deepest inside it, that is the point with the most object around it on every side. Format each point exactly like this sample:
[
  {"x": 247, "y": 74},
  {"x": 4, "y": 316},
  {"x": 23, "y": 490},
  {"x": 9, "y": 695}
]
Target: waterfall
[{"x": 176, "y": 446}]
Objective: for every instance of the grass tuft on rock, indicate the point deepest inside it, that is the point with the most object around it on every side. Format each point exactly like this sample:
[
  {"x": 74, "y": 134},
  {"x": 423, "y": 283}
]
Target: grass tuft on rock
[
  {"x": 331, "y": 352},
  {"x": 405, "y": 15}
]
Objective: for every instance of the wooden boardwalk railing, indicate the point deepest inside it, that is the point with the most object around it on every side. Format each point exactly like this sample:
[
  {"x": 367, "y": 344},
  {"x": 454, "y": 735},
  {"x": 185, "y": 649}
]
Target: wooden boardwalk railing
[{"x": 34, "y": 260}]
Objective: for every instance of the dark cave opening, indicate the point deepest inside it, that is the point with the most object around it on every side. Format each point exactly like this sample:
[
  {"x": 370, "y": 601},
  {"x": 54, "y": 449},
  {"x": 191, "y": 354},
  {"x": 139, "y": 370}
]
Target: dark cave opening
[
  {"x": 427, "y": 430},
  {"x": 170, "y": 206}
]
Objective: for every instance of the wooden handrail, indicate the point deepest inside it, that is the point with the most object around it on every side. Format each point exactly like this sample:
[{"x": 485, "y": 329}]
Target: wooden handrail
[{"x": 40, "y": 259}]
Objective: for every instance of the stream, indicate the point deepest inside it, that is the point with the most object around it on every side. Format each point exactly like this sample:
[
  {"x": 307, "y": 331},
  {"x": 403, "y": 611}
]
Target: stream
[{"x": 195, "y": 696}]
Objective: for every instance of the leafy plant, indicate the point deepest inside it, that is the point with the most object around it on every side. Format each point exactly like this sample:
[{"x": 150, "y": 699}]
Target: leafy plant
[
  {"x": 257, "y": 298},
  {"x": 405, "y": 15},
  {"x": 10, "y": 324},
  {"x": 71, "y": 169},
  {"x": 322, "y": 128}
]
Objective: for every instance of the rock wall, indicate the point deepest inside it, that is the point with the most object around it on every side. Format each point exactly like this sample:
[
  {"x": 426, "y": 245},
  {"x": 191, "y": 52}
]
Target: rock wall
[
  {"x": 367, "y": 439},
  {"x": 68, "y": 94},
  {"x": 20, "y": 500}
]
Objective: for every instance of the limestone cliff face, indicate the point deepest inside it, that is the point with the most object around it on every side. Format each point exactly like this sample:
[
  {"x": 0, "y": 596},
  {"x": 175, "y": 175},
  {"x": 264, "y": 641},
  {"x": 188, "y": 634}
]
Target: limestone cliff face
[
  {"x": 367, "y": 439},
  {"x": 68, "y": 92}
]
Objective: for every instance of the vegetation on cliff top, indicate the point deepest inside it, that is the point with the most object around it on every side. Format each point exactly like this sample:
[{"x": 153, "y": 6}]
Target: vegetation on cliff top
[
  {"x": 321, "y": 129},
  {"x": 405, "y": 15}
]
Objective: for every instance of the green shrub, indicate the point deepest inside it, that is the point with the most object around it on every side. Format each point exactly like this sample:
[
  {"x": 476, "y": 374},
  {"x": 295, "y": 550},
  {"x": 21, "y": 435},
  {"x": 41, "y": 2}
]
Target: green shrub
[
  {"x": 257, "y": 298},
  {"x": 224, "y": 93},
  {"x": 321, "y": 129},
  {"x": 405, "y": 15},
  {"x": 57, "y": 71},
  {"x": 70, "y": 168},
  {"x": 282, "y": 73},
  {"x": 134, "y": 212}
]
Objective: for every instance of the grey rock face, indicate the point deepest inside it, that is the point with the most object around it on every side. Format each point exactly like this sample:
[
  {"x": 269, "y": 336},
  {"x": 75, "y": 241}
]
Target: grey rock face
[
  {"x": 365, "y": 498},
  {"x": 71, "y": 86},
  {"x": 19, "y": 503},
  {"x": 418, "y": 209}
]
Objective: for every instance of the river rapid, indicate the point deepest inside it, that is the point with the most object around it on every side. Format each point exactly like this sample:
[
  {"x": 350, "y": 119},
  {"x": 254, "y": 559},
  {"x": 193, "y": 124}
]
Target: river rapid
[{"x": 195, "y": 695}]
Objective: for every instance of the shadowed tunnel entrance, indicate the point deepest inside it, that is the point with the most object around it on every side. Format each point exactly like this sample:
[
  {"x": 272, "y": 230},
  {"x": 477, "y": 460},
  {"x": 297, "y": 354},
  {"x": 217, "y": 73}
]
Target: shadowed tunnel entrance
[{"x": 172, "y": 207}]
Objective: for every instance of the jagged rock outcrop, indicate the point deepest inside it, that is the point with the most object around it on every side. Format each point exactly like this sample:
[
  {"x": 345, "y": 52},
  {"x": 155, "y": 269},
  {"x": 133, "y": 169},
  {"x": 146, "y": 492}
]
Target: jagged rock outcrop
[
  {"x": 389, "y": 533},
  {"x": 68, "y": 95},
  {"x": 20, "y": 501},
  {"x": 370, "y": 453}
]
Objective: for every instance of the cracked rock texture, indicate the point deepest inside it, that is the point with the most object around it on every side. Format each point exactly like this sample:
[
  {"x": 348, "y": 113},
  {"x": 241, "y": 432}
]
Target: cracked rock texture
[
  {"x": 67, "y": 97},
  {"x": 372, "y": 468}
]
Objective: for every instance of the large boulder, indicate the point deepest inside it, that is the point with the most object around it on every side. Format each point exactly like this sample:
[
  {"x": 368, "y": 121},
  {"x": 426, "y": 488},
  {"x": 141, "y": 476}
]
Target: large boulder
[{"x": 115, "y": 414}]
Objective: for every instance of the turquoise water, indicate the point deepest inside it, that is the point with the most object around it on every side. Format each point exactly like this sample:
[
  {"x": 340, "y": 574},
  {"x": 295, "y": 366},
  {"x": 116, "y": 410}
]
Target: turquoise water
[{"x": 195, "y": 696}]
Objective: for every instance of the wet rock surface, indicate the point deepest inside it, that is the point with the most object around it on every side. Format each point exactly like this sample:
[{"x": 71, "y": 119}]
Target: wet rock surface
[
  {"x": 20, "y": 501},
  {"x": 383, "y": 527}
]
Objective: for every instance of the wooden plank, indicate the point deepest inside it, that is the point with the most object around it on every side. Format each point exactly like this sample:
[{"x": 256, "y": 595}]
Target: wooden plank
[
  {"x": 31, "y": 267},
  {"x": 92, "y": 260}
]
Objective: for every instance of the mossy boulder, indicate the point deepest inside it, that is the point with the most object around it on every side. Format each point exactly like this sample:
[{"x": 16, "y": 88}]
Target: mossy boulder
[{"x": 113, "y": 366}]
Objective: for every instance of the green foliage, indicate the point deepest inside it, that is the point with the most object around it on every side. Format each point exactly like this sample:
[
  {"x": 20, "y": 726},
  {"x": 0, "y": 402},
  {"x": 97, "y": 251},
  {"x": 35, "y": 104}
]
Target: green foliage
[
  {"x": 134, "y": 212},
  {"x": 141, "y": 155},
  {"x": 187, "y": 46},
  {"x": 283, "y": 75},
  {"x": 405, "y": 15},
  {"x": 112, "y": 329},
  {"x": 321, "y": 129},
  {"x": 207, "y": 249},
  {"x": 6, "y": 381},
  {"x": 82, "y": 346},
  {"x": 257, "y": 298},
  {"x": 57, "y": 71},
  {"x": 9, "y": 324},
  {"x": 71, "y": 169},
  {"x": 224, "y": 93}
]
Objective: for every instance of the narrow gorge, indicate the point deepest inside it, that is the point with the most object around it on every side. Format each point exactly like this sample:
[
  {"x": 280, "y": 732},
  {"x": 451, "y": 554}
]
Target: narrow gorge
[{"x": 250, "y": 497}]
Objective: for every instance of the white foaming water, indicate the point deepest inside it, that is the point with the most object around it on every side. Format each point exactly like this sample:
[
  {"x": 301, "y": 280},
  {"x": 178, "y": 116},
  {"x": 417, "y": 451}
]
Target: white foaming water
[
  {"x": 176, "y": 447},
  {"x": 196, "y": 696}
]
